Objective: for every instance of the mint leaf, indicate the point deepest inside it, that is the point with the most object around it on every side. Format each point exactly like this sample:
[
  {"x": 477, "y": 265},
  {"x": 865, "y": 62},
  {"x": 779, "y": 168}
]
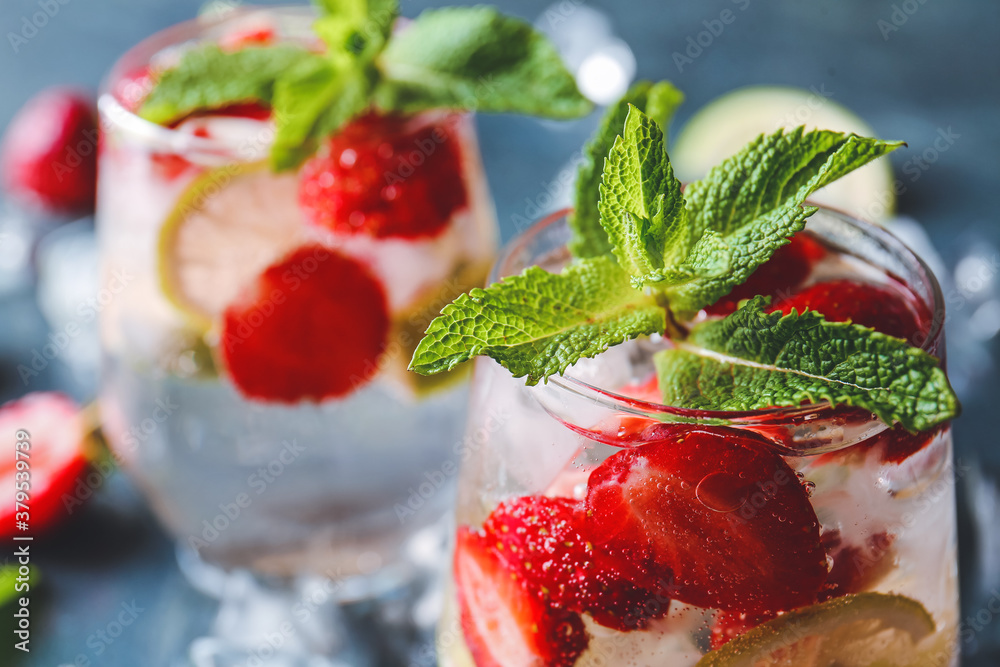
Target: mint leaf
[
  {"x": 537, "y": 324},
  {"x": 311, "y": 102},
  {"x": 356, "y": 27},
  {"x": 643, "y": 212},
  {"x": 753, "y": 360},
  {"x": 210, "y": 78},
  {"x": 659, "y": 100},
  {"x": 754, "y": 198},
  {"x": 475, "y": 58}
]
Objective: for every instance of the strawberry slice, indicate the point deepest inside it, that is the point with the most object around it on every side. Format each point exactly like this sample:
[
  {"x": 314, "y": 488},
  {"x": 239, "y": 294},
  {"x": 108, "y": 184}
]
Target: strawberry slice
[
  {"x": 887, "y": 308},
  {"x": 51, "y": 462},
  {"x": 253, "y": 35},
  {"x": 857, "y": 568},
  {"x": 133, "y": 87},
  {"x": 779, "y": 276},
  {"x": 386, "y": 176},
  {"x": 312, "y": 326},
  {"x": 542, "y": 540},
  {"x": 504, "y": 624},
  {"x": 49, "y": 153},
  {"x": 718, "y": 508}
]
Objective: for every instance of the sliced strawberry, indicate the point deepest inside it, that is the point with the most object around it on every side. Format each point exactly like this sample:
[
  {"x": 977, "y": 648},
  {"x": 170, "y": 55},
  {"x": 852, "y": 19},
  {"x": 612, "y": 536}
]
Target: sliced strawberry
[
  {"x": 718, "y": 508},
  {"x": 897, "y": 444},
  {"x": 169, "y": 166},
  {"x": 132, "y": 88},
  {"x": 779, "y": 276},
  {"x": 386, "y": 176},
  {"x": 312, "y": 326},
  {"x": 648, "y": 391},
  {"x": 728, "y": 625},
  {"x": 504, "y": 624},
  {"x": 542, "y": 540},
  {"x": 51, "y": 463},
  {"x": 887, "y": 308},
  {"x": 259, "y": 35},
  {"x": 857, "y": 568},
  {"x": 49, "y": 154}
]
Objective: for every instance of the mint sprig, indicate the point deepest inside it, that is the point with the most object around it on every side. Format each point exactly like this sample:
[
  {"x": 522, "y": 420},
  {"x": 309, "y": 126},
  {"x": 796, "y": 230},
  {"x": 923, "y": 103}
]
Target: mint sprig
[
  {"x": 753, "y": 360},
  {"x": 667, "y": 254},
  {"x": 538, "y": 323},
  {"x": 753, "y": 200},
  {"x": 643, "y": 214},
  {"x": 467, "y": 58},
  {"x": 659, "y": 101},
  {"x": 475, "y": 58},
  {"x": 209, "y": 78}
]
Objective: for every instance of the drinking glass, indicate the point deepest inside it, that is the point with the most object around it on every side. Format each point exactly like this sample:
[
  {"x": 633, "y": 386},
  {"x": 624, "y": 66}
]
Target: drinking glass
[
  {"x": 884, "y": 500},
  {"x": 289, "y": 510}
]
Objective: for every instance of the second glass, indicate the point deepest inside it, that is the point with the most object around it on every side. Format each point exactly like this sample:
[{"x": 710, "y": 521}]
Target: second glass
[
  {"x": 587, "y": 448},
  {"x": 247, "y": 469}
]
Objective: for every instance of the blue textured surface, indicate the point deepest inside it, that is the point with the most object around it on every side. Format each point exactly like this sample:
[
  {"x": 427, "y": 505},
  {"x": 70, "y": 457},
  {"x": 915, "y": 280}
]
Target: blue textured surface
[{"x": 940, "y": 69}]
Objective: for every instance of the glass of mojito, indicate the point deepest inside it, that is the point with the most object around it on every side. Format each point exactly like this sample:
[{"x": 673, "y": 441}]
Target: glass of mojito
[
  {"x": 287, "y": 198},
  {"x": 733, "y": 444}
]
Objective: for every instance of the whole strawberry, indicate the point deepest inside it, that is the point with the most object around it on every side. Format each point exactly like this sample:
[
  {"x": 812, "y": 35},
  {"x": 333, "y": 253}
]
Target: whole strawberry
[{"x": 49, "y": 155}]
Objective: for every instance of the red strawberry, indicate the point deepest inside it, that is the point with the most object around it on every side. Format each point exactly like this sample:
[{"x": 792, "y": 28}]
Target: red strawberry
[
  {"x": 260, "y": 35},
  {"x": 857, "y": 568},
  {"x": 540, "y": 539},
  {"x": 312, "y": 327},
  {"x": 49, "y": 154},
  {"x": 886, "y": 308},
  {"x": 721, "y": 510},
  {"x": 898, "y": 444},
  {"x": 51, "y": 461},
  {"x": 386, "y": 176},
  {"x": 505, "y": 625},
  {"x": 729, "y": 625},
  {"x": 783, "y": 273},
  {"x": 132, "y": 88}
]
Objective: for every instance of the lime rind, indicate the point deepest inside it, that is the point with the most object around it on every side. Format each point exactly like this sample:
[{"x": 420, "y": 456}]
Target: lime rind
[
  {"x": 225, "y": 231},
  {"x": 878, "y": 611}
]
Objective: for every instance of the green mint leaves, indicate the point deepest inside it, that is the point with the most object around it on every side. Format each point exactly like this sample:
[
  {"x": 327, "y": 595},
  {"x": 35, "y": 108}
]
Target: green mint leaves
[
  {"x": 642, "y": 212},
  {"x": 476, "y": 58},
  {"x": 754, "y": 200},
  {"x": 753, "y": 360},
  {"x": 538, "y": 323},
  {"x": 464, "y": 58},
  {"x": 649, "y": 254},
  {"x": 209, "y": 78},
  {"x": 659, "y": 101}
]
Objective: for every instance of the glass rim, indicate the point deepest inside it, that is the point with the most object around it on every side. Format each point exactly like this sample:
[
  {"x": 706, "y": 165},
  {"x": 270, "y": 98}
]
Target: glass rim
[
  {"x": 118, "y": 115},
  {"x": 779, "y": 415}
]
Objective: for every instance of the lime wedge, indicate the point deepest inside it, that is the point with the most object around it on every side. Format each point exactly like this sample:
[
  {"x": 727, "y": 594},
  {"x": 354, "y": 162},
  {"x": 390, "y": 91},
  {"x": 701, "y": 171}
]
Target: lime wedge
[
  {"x": 230, "y": 224},
  {"x": 728, "y": 123},
  {"x": 851, "y": 631}
]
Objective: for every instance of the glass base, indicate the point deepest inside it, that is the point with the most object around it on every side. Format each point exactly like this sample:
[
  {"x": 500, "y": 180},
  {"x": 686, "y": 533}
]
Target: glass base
[{"x": 384, "y": 618}]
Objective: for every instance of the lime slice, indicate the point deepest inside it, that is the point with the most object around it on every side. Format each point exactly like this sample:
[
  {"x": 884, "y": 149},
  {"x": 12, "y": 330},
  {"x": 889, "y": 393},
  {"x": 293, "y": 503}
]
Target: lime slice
[
  {"x": 851, "y": 631},
  {"x": 230, "y": 224},
  {"x": 725, "y": 125},
  {"x": 408, "y": 328}
]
